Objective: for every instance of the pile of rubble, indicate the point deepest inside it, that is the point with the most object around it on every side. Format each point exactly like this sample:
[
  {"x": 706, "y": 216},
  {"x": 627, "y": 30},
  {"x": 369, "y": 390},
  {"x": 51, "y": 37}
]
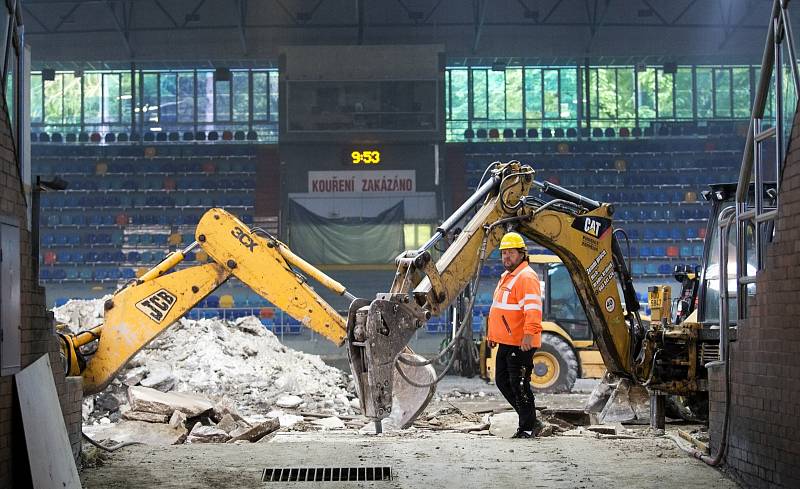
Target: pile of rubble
[{"x": 237, "y": 364}]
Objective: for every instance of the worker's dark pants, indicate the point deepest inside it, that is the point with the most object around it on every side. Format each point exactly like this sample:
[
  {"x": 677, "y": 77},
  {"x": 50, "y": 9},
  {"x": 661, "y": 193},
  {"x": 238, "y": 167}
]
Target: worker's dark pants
[{"x": 513, "y": 377}]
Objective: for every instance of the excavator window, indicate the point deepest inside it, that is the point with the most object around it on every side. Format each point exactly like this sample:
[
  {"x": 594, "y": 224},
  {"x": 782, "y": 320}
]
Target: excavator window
[
  {"x": 711, "y": 276},
  {"x": 563, "y": 305}
]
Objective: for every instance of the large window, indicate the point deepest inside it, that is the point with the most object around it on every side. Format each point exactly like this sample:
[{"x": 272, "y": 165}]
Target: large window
[
  {"x": 171, "y": 100},
  {"x": 618, "y": 96}
]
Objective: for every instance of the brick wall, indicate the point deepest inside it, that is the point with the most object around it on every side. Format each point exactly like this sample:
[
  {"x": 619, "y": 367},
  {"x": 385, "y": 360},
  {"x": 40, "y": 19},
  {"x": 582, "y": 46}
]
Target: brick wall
[
  {"x": 37, "y": 336},
  {"x": 764, "y": 436}
]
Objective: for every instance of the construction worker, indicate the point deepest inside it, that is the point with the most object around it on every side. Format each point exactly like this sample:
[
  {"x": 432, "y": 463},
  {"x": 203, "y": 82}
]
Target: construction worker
[{"x": 515, "y": 324}]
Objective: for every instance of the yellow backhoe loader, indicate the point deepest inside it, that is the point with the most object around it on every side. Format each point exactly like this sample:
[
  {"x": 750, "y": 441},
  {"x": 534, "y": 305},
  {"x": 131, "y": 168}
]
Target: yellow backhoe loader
[
  {"x": 142, "y": 309},
  {"x": 665, "y": 358}
]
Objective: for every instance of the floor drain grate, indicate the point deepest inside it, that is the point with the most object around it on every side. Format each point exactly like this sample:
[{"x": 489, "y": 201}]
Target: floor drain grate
[{"x": 326, "y": 474}]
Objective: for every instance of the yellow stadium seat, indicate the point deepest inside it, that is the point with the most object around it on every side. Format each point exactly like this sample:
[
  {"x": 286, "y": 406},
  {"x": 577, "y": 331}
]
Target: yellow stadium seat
[
  {"x": 691, "y": 197},
  {"x": 226, "y": 301},
  {"x": 175, "y": 239},
  {"x": 101, "y": 169}
]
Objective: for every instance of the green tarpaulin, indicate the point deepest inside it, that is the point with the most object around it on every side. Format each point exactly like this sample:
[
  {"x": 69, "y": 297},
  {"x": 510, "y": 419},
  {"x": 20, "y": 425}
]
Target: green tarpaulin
[{"x": 346, "y": 241}]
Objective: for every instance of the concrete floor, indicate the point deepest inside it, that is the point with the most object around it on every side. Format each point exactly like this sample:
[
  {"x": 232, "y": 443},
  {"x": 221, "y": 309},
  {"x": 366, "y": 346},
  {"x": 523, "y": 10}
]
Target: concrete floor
[
  {"x": 420, "y": 458},
  {"x": 424, "y": 460}
]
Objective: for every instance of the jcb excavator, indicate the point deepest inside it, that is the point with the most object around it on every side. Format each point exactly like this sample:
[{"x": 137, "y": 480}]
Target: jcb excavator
[
  {"x": 142, "y": 309},
  {"x": 661, "y": 356}
]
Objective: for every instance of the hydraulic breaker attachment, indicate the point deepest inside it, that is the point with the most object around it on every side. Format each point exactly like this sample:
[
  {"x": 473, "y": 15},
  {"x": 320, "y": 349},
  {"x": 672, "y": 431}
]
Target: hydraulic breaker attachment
[{"x": 378, "y": 332}]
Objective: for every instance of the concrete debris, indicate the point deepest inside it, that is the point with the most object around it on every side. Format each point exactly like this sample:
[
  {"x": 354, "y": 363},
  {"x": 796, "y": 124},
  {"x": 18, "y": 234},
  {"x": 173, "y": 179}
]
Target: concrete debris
[
  {"x": 451, "y": 418},
  {"x": 134, "y": 376},
  {"x": 332, "y": 423},
  {"x": 603, "y": 429},
  {"x": 177, "y": 420},
  {"x": 207, "y": 434},
  {"x": 153, "y": 401},
  {"x": 160, "y": 379},
  {"x": 285, "y": 420},
  {"x": 289, "y": 402},
  {"x": 238, "y": 360},
  {"x": 255, "y": 433},
  {"x": 229, "y": 424},
  {"x": 146, "y": 417},
  {"x": 137, "y": 431}
]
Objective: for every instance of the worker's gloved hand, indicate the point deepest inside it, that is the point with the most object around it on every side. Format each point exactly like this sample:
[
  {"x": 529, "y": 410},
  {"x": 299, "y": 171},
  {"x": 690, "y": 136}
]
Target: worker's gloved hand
[
  {"x": 527, "y": 342},
  {"x": 490, "y": 344}
]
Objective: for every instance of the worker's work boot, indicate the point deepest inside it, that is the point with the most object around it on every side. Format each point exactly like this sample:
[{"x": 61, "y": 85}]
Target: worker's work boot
[{"x": 523, "y": 434}]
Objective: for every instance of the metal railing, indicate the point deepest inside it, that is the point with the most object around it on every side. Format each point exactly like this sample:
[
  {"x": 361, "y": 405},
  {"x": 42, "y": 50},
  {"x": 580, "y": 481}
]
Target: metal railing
[{"x": 755, "y": 167}]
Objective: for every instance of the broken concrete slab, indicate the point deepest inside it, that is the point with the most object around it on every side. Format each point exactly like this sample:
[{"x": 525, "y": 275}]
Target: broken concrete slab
[
  {"x": 178, "y": 420},
  {"x": 332, "y": 423},
  {"x": 146, "y": 417},
  {"x": 289, "y": 402},
  {"x": 603, "y": 429},
  {"x": 207, "y": 434},
  {"x": 224, "y": 407},
  {"x": 150, "y": 400},
  {"x": 504, "y": 425},
  {"x": 137, "y": 431},
  {"x": 255, "y": 433},
  {"x": 286, "y": 420},
  {"x": 161, "y": 379},
  {"x": 134, "y": 376},
  {"x": 229, "y": 424}
]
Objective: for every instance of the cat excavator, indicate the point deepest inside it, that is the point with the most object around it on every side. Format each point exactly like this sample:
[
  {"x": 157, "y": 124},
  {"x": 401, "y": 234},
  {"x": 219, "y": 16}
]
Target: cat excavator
[
  {"x": 665, "y": 358},
  {"x": 144, "y": 308}
]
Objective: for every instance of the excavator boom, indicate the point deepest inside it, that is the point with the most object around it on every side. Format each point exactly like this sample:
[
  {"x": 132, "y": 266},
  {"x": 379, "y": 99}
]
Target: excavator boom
[
  {"x": 575, "y": 228},
  {"x": 145, "y": 308}
]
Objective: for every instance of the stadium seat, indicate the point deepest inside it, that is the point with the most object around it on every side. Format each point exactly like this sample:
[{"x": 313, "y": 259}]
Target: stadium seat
[{"x": 252, "y": 136}]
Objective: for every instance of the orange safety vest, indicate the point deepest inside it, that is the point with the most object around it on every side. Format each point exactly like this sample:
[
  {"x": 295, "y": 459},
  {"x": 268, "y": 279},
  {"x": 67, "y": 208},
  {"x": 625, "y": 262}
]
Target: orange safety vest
[{"x": 516, "y": 308}]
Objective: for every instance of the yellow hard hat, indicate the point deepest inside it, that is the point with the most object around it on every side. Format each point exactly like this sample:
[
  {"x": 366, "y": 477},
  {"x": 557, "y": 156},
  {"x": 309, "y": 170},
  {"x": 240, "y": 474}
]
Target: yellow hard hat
[{"x": 512, "y": 240}]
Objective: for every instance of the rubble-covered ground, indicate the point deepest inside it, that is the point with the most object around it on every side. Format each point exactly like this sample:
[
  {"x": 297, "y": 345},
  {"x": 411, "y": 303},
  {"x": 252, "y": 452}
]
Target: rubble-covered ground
[
  {"x": 236, "y": 368},
  {"x": 209, "y": 385}
]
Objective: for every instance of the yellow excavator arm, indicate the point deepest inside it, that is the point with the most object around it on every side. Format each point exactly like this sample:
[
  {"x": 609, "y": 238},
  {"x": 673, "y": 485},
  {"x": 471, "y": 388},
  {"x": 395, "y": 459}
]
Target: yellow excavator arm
[
  {"x": 577, "y": 229},
  {"x": 144, "y": 308}
]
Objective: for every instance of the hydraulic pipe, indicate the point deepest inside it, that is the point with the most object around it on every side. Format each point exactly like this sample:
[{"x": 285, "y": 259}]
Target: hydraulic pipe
[
  {"x": 312, "y": 271},
  {"x": 466, "y": 207},
  {"x": 568, "y": 195},
  {"x": 167, "y": 263}
]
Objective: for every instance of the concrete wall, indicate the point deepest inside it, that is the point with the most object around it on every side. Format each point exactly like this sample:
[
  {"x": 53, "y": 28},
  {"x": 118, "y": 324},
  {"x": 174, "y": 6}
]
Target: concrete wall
[
  {"x": 37, "y": 336},
  {"x": 764, "y": 436}
]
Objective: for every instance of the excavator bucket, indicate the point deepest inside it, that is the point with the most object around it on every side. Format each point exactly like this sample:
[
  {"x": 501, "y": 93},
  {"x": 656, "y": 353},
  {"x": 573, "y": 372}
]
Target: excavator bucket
[
  {"x": 408, "y": 400},
  {"x": 618, "y": 400}
]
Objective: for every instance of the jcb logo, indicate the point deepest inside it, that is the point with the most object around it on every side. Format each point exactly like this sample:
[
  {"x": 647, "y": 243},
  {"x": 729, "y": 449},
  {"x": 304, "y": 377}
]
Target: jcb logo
[
  {"x": 592, "y": 227},
  {"x": 157, "y": 305},
  {"x": 245, "y": 239}
]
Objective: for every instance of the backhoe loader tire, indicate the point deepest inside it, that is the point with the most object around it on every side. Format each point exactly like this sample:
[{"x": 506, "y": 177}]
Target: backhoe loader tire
[{"x": 555, "y": 366}]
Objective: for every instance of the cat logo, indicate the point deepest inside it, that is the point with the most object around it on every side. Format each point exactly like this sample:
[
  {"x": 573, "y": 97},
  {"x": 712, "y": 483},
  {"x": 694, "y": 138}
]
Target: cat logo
[
  {"x": 610, "y": 304},
  {"x": 157, "y": 305},
  {"x": 595, "y": 227},
  {"x": 590, "y": 226}
]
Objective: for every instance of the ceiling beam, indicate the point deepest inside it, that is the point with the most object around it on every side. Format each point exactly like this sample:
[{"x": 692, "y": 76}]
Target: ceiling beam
[
  {"x": 479, "y": 12},
  {"x": 166, "y": 13},
  {"x": 29, "y": 13},
  {"x": 242, "y": 16},
  {"x": 66, "y": 16},
  {"x": 124, "y": 32}
]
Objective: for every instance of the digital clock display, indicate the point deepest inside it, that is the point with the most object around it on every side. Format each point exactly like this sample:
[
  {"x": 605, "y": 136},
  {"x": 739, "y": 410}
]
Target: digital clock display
[{"x": 364, "y": 156}]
